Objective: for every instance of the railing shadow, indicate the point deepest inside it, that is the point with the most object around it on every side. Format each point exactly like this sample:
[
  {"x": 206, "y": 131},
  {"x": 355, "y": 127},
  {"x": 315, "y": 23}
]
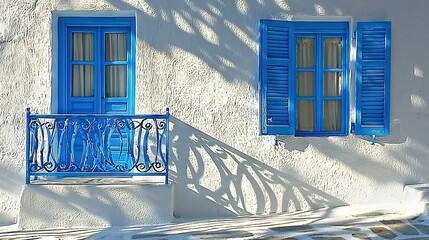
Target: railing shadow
[{"x": 215, "y": 179}]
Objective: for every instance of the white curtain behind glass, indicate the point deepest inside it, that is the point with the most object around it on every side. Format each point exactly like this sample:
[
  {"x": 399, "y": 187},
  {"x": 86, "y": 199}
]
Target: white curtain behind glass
[
  {"x": 305, "y": 59},
  {"x": 332, "y": 83},
  {"x": 83, "y": 74},
  {"x": 332, "y": 61},
  {"x": 116, "y": 75}
]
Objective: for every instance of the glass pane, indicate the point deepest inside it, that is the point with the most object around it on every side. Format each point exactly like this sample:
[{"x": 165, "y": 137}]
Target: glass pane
[
  {"x": 305, "y": 84},
  {"x": 332, "y": 84},
  {"x": 83, "y": 46},
  {"x": 305, "y": 115},
  {"x": 305, "y": 53},
  {"x": 83, "y": 81},
  {"x": 116, "y": 81},
  {"x": 116, "y": 47},
  {"x": 332, "y": 48},
  {"x": 332, "y": 115}
]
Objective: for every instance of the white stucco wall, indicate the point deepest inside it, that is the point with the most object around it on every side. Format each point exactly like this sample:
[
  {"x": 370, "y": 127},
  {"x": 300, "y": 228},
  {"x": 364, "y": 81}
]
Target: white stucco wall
[
  {"x": 75, "y": 205},
  {"x": 200, "y": 59}
]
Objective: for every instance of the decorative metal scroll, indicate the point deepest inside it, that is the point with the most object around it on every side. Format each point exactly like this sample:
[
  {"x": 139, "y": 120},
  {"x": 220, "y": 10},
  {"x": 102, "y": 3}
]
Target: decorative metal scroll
[{"x": 64, "y": 145}]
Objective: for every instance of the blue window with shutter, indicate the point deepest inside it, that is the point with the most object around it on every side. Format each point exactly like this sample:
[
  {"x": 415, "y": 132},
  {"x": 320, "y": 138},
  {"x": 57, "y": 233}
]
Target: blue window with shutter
[{"x": 304, "y": 78}]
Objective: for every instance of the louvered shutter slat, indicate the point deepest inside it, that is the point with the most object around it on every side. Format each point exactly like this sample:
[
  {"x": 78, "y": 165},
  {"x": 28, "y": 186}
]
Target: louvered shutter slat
[{"x": 373, "y": 78}]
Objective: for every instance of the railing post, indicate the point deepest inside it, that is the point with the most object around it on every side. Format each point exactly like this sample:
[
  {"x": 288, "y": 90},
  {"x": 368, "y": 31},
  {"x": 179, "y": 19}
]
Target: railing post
[
  {"x": 27, "y": 147},
  {"x": 167, "y": 141}
]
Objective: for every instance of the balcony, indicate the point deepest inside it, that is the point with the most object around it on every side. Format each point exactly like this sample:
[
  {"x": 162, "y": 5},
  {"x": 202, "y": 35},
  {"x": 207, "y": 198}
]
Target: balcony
[{"x": 59, "y": 146}]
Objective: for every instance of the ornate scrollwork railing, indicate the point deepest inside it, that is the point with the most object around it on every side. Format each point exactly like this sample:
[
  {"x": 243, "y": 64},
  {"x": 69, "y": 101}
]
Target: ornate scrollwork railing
[{"x": 74, "y": 145}]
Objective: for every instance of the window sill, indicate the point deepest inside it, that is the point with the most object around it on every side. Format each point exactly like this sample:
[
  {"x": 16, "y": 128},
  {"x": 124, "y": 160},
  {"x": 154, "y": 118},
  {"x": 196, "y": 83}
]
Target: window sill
[{"x": 321, "y": 134}]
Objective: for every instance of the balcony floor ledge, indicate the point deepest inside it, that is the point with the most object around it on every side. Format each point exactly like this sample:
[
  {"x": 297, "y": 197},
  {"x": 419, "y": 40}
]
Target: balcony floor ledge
[{"x": 149, "y": 180}]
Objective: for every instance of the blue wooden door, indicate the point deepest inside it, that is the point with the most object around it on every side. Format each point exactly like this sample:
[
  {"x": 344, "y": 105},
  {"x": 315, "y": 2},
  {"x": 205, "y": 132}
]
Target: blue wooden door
[
  {"x": 116, "y": 96},
  {"x": 99, "y": 80}
]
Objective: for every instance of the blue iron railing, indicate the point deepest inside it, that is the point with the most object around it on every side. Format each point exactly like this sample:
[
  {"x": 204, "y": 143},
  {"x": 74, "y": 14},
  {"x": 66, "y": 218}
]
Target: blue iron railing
[{"x": 78, "y": 145}]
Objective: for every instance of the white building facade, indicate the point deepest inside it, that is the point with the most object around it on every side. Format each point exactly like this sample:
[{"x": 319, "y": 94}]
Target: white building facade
[{"x": 201, "y": 59}]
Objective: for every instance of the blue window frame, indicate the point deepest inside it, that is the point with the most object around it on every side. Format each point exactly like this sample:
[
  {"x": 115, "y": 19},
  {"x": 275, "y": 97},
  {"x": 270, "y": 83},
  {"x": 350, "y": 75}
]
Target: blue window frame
[
  {"x": 304, "y": 78},
  {"x": 96, "y": 62},
  {"x": 321, "y": 78}
]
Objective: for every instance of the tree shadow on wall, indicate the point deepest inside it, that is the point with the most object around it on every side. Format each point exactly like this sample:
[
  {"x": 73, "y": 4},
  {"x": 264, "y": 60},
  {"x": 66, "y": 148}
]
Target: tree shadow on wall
[{"x": 214, "y": 179}]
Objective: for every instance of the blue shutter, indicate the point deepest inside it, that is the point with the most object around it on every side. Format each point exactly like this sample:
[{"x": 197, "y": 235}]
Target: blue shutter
[
  {"x": 373, "y": 78},
  {"x": 276, "y": 75}
]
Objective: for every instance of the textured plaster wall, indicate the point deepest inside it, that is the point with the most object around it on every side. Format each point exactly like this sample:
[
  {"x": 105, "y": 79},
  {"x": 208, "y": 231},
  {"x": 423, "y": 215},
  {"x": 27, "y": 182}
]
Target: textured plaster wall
[
  {"x": 94, "y": 205},
  {"x": 200, "y": 59}
]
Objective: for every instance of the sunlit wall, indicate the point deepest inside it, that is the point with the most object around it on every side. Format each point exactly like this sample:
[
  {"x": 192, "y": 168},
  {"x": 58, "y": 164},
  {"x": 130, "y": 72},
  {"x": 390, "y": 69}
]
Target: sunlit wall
[{"x": 200, "y": 58}]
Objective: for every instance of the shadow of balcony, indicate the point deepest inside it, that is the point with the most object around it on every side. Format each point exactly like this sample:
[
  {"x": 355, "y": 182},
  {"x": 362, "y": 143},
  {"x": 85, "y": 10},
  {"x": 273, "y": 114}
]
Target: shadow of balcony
[{"x": 214, "y": 179}]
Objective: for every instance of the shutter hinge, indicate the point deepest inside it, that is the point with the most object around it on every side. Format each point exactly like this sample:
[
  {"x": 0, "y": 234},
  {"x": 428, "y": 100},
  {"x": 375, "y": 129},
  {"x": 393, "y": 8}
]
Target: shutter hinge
[
  {"x": 354, "y": 35},
  {"x": 373, "y": 138}
]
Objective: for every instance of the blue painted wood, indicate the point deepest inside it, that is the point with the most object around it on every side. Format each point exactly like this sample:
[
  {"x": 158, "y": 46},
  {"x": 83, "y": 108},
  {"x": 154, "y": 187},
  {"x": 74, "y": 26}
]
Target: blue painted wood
[
  {"x": 50, "y": 136},
  {"x": 75, "y": 104},
  {"x": 119, "y": 105},
  {"x": 276, "y": 74},
  {"x": 373, "y": 78}
]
